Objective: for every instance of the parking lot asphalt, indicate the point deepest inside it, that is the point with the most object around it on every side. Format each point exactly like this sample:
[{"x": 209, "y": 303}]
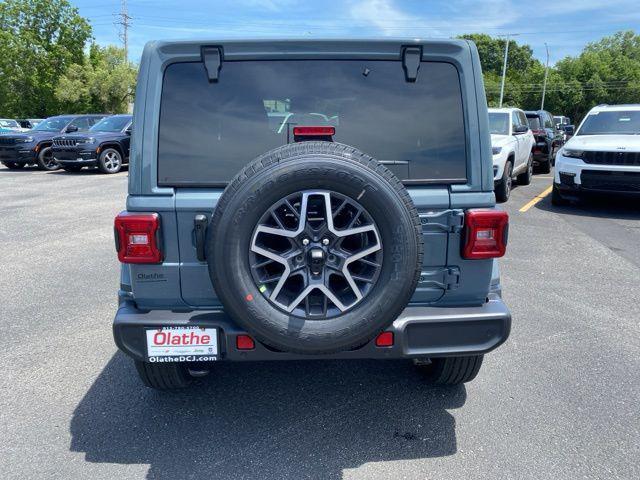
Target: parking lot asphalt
[{"x": 558, "y": 400}]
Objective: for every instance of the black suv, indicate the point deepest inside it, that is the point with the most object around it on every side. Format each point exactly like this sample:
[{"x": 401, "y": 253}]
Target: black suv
[
  {"x": 549, "y": 139},
  {"x": 105, "y": 145},
  {"x": 34, "y": 147}
]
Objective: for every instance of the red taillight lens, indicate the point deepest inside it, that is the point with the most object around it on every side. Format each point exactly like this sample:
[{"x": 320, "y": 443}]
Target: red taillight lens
[
  {"x": 314, "y": 131},
  {"x": 137, "y": 236},
  {"x": 385, "y": 339},
  {"x": 245, "y": 342},
  {"x": 486, "y": 233}
]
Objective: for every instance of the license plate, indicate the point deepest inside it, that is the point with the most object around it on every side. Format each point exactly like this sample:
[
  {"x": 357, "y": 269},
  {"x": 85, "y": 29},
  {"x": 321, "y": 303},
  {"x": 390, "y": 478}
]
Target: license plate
[{"x": 182, "y": 344}]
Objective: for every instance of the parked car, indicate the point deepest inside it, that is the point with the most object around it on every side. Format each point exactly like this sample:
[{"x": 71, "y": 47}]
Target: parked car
[
  {"x": 34, "y": 147},
  {"x": 603, "y": 156},
  {"x": 512, "y": 146},
  {"x": 561, "y": 122},
  {"x": 548, "y": 139},
  {"x": 29, "y": 123},
  {"x": 314, "y": 250},
  {"x": 105, "y": 145},
  {"x": 8, "y": 125}
]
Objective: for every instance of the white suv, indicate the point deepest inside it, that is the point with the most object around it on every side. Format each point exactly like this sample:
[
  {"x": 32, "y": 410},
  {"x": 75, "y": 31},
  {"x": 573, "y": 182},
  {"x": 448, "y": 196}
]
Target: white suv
[
  {"x": 603, "y": 155},
  {"x": 512, "y": 143}
]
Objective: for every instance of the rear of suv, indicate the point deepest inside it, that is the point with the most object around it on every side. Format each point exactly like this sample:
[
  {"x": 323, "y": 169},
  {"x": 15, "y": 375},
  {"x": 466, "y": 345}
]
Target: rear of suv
[
  {"x": 602, "y": 157},
  {"x": 310, "y": 200},
  {"x": 34, "y": 147},
  {"x": 549, "y": 138}
]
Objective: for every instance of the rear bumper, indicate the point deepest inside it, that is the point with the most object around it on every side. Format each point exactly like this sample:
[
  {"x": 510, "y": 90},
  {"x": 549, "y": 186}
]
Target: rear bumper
[{"x": 419, "y": 332}]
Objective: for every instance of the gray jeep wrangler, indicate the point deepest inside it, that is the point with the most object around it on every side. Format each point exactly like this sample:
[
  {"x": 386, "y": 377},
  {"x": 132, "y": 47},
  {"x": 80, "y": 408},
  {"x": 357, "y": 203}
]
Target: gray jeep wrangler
[{"x": 310, "y": 200}]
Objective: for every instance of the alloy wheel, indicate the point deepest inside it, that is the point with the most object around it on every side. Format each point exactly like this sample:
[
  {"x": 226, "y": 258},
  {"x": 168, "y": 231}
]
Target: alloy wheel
[{"x": 315, "y": 254}]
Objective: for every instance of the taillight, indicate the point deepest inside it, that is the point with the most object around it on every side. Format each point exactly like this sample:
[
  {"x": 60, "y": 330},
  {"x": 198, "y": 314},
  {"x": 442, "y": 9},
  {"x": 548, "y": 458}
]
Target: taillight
[
  {"x": 137, "y": 237},
  {"x": 486, "y": 233}
]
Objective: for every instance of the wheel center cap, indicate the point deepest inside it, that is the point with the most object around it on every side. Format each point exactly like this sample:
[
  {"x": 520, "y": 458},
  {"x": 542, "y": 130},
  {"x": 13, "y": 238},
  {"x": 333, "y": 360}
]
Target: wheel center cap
[{"x": 316, "y": 258}]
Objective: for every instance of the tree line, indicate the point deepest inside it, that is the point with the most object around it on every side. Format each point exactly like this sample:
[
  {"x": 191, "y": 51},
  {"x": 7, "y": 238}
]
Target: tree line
[
  {"x": 606, "y": 71},
  {"x": 50, "y": 63}
]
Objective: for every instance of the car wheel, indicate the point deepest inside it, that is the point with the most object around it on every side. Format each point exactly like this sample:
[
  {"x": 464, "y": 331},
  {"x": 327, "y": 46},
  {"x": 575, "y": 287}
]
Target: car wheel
[
  {"x": 322, "y": 248},
  {"x": 503, "y": 187},
  {"x": 525, "y": 177},
  {"x": 13, "y": 165},
  {"x": 164, "y": 376},
  {"x": 451, "y": 370},
  {"x": 110, "y": 161},
  {"x": 72, "y": 168},
  {"x": 556, "y": 197},
  {"x": 46, "y": 160}
]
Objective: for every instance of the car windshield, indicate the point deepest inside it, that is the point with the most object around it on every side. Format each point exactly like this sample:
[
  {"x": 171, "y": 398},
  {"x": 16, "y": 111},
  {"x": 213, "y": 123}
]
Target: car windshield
[
  {"x": 4, "y": 123},
  {"x": 534, "y": 123},
  {"x": 53, "y": 124},
  {"x": 621, "y": 122},
  {"x": 111, "y": 124},
  {"x": 499, "y": 123}
]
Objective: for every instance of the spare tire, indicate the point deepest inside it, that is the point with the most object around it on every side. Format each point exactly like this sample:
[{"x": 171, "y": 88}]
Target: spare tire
[{"x": 314, "y": 248}]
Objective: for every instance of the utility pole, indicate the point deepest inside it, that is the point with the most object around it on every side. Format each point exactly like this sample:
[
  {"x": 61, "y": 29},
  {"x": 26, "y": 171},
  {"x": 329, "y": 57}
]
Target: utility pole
[
  {"x": 124, "y": 20},
  {"x": 546, "y": 72},
  {"x": 504, "y": 70}
]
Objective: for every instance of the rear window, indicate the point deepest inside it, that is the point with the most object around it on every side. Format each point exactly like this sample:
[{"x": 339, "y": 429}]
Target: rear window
[
  {"x": 209, "y": 131},
  {"x": 534, "y": 123}
]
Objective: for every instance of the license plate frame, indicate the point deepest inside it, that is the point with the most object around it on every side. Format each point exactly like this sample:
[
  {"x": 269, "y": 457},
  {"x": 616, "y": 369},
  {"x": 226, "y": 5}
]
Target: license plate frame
[{"x": 182, "y": 344}]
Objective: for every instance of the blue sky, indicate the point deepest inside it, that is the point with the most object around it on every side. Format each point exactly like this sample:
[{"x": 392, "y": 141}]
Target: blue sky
[{"x": 566, "y": 25}]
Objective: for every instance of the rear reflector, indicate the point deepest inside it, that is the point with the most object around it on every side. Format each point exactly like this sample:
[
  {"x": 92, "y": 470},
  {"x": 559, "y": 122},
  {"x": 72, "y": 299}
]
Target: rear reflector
[
  {"x": 486, "y": 233},
  {"x": 245, "y": 342},
  {"x": 314, "y": 131},
  {"x": 137, "y": 236},
  {"x": 385, "y": 339}
]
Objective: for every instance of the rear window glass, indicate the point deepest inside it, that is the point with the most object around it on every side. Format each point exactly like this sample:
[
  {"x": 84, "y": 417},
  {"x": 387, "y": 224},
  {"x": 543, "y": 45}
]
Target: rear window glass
[
  {"x": 534, "y": 123},
  {"x": 209, "y": 131}
]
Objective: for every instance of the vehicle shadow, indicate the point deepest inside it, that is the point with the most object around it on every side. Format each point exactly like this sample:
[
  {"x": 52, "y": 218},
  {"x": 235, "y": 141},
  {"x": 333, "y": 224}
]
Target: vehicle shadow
[
  {"x": 30, "y": 169},
  {"x": 596, "y": 206},
  {"x": 310, "y": 419},
  {"x": 88, "y": 171}
]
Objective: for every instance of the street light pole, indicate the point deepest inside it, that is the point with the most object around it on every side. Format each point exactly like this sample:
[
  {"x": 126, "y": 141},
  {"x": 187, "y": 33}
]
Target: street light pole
[
  {"x": 504, "y": 70},
  {"x": 546, "y": 72}
]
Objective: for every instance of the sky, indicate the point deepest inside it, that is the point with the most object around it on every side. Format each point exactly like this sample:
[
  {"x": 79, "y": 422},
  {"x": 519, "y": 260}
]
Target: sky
[{"x": 565, "y": 25}]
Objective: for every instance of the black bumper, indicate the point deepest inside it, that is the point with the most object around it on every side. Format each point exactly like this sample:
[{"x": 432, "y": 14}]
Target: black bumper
[
  {"x": 419, "y": 332},
  {"x": 17, "y": 154},
  {"x": 75, "y": 156}
]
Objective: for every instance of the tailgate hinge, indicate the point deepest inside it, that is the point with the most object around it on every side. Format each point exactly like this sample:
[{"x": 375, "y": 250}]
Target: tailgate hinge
[
  {"x": 411, "y": 57},
  {"x": 446, "y": 278},
  {"x": 447, "y": 220},
  {"x": 212, "y": 59}
]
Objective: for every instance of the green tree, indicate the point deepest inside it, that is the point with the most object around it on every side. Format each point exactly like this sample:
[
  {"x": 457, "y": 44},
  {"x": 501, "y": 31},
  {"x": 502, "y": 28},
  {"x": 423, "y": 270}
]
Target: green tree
[
  {"x": 103, "y": 82},
  {"x": 39, "y": 39}
]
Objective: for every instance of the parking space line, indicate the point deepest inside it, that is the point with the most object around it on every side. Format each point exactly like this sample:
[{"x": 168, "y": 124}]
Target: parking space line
[{"x": 536, "y": 199}]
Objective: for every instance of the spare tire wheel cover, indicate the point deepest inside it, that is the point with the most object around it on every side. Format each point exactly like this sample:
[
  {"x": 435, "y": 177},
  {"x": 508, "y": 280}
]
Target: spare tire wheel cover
[{"x": 314, "y": 248}]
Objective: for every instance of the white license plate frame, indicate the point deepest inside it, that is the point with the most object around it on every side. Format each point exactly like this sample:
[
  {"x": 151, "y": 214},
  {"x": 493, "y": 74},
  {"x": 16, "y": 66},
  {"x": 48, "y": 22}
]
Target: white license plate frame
[{"x": 182, "y": 344}]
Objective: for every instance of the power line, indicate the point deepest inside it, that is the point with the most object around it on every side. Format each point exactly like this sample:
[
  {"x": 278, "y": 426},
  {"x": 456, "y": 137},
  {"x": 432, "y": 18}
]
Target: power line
[{"x": 125, "y": 22}]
